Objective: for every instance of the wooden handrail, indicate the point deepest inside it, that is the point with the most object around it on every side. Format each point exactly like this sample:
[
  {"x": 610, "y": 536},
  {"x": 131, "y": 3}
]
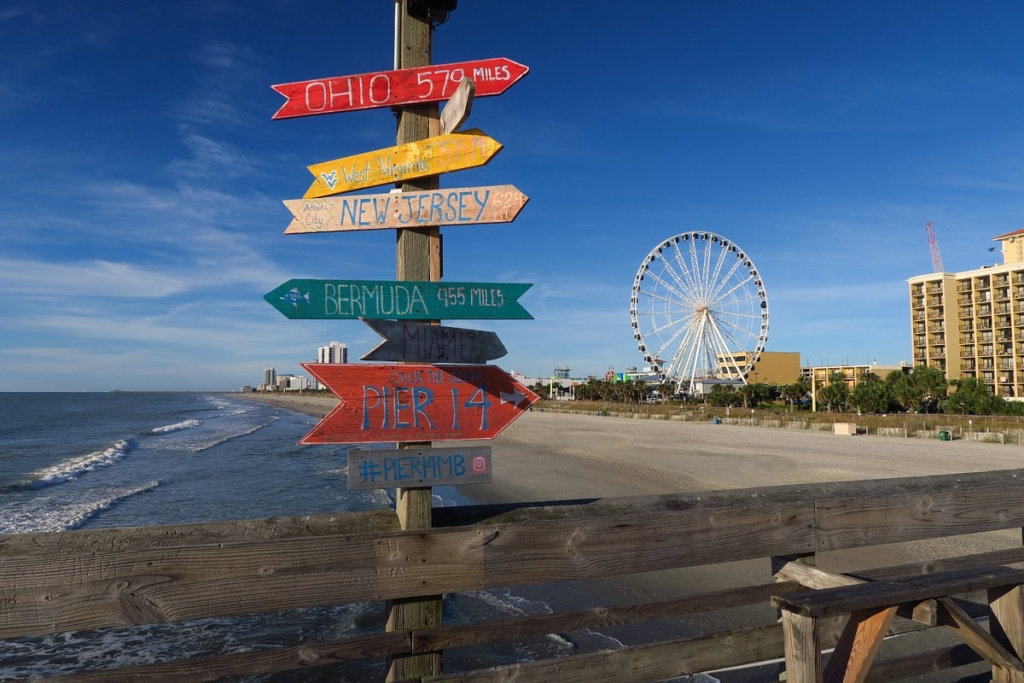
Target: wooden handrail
[{"x": 111, "y": 577}]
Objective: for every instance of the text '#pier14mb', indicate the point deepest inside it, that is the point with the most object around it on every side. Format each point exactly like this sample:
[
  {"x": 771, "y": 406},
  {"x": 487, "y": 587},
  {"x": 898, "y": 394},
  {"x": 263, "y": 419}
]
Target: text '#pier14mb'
[{"x": 399, "y": 300}]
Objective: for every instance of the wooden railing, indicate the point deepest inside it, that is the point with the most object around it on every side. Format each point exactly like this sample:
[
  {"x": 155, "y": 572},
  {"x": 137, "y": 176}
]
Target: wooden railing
[{"x": 96, "y": 579}]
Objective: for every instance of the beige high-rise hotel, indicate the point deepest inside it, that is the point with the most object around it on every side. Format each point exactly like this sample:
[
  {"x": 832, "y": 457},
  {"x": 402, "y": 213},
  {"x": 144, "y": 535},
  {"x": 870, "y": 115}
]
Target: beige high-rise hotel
[{"x": 971, "y": 324}]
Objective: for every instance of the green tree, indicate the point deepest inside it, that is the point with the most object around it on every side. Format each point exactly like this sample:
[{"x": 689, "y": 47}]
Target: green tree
[
  {"x": 973, "y": 397},
  {"x": 905, "y": 395},
  {"x": 666, "y": 389},
  {"x": 933, "y": 386},
  {"x": 796, "y": 391},
  {"x": 835, "y": 393},
  {"x": 723, "y": 395},
  {"x": 871, "y": 395},
  {"x": 634, "y": 391},
  {"x": 921, "y": 391},
  {"x": 754, "y": 394}
]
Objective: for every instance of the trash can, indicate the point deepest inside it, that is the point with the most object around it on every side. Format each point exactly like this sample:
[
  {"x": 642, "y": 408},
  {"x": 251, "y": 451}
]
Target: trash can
[
  {"x": 943, "y": 435},
  {"x": 717, "y": 421}
]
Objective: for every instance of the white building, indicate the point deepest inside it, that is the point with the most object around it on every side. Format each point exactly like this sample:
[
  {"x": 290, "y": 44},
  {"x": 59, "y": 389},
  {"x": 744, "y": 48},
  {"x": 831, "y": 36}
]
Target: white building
[
  {"x": 333, "y": 353},
  {"x": 292, "y": 383}
]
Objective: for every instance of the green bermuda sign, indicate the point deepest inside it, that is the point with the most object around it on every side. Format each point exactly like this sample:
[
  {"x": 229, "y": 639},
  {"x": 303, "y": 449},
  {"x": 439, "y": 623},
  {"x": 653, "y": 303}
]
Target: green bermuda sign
[{"x": 398, "y": 300}]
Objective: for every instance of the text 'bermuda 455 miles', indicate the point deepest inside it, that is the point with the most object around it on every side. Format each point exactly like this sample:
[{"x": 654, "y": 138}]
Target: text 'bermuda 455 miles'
[{"x": 399, "y": 300}]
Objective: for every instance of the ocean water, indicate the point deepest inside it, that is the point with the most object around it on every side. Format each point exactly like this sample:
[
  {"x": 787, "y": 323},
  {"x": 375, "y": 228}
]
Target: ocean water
[{"x": 85, "y": 461}]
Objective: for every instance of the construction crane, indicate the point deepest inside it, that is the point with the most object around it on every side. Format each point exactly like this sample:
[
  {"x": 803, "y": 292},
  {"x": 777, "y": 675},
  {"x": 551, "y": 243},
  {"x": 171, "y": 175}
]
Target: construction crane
[{"x": 934, "y": 245}]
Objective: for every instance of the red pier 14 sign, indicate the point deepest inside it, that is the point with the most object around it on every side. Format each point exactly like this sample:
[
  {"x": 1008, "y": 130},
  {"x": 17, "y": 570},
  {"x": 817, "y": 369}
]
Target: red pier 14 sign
[
  {"x": 396, "y": 88},
  {"x": 393, "y": 403}
]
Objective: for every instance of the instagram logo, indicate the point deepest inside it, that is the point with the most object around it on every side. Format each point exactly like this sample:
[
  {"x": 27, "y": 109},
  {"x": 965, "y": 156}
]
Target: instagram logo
[{"x": 479, "y": 465}]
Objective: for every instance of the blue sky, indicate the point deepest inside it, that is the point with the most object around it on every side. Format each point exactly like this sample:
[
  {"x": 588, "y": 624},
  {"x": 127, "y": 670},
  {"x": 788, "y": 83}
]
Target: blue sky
[{"x": 141, "y": 177}]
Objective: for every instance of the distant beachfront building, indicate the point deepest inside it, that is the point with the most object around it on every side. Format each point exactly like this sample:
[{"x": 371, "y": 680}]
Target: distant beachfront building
[
  {"x": 971, "y": 323},
  {"x": 270, "y": 377},
  {"x": 333, "y": 353},
  {"x": 292, "y": 383},
  {"x": 770, "y": 367}
]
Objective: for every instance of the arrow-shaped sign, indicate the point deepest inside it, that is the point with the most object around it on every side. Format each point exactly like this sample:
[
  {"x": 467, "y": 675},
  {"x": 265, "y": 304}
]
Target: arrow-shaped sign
[
  {"x": 441, "y": 154},
  {"x": 420, "y": 343},
  {"x": 398, "y": 299},
  {"x": 396, "y": 88},
  {"x": 457, "y": 206},
  {"x": 391, "y": 403}
]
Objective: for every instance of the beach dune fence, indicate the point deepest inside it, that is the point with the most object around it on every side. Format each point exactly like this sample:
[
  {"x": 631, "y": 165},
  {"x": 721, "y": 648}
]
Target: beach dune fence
[{"x": 98, "y": 579}]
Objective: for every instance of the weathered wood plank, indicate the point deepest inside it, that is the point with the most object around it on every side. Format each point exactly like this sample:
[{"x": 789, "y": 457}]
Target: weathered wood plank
[
  {"x": 925, "y": 507},
  {"x": 598, "y": 617},
  {"x": 636, "y": 664},
  {"x": 61, "y": 592},
  {"x": 847, "y": 599},
  {"x": 274, "y": 660},
  {"x": 954, "y": 618},
  {"x": 919, "y": 663},
  {"x": 126, "y": 539}
]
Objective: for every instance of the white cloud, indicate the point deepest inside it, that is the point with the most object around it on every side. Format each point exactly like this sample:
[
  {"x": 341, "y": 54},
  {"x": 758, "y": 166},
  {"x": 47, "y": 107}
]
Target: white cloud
[
  {"x": 212, "y": 158},
  {"x": 28, "y": 278}
]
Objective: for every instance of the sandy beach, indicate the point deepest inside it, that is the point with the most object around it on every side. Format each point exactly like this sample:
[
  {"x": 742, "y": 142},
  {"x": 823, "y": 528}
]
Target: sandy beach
[
  {"x": 546, "y": 456},
  {"x": 553, "y": 456}
]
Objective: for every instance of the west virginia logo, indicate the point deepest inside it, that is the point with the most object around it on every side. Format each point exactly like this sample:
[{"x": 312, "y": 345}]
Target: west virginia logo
[{"x": 330, "y": 180}]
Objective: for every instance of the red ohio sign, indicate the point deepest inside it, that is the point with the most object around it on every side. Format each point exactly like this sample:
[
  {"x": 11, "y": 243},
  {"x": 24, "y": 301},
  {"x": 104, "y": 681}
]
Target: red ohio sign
[
  {"x": 396, "y": 88},
  {"x": 385, "y": 403}
]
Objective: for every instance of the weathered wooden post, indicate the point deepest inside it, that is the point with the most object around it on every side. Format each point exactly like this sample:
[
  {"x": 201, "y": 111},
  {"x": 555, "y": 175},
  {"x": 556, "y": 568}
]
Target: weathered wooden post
[{"x": 418, "y": 257}]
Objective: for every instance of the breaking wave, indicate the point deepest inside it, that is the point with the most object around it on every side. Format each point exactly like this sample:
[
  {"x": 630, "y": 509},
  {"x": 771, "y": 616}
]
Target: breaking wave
[{"x": 71, "y": 468}]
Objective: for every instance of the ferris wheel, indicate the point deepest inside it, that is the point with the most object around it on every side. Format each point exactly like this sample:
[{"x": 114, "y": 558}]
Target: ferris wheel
[{"x": 699, "y": 310}]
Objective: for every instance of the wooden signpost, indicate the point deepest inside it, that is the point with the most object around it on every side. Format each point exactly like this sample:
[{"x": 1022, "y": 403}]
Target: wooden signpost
[
  {"x": 457, "y": 206},
  {"x": 441, "y": 154},
  {"x": 399, "y": 299},
  {"x": 376, "y": 469},
  {"x": 418, "y": 85},
  {"x": 412, "y": 342},
  {"x": 411, "y": 404},
  {"x": 391, "y": 403}
]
